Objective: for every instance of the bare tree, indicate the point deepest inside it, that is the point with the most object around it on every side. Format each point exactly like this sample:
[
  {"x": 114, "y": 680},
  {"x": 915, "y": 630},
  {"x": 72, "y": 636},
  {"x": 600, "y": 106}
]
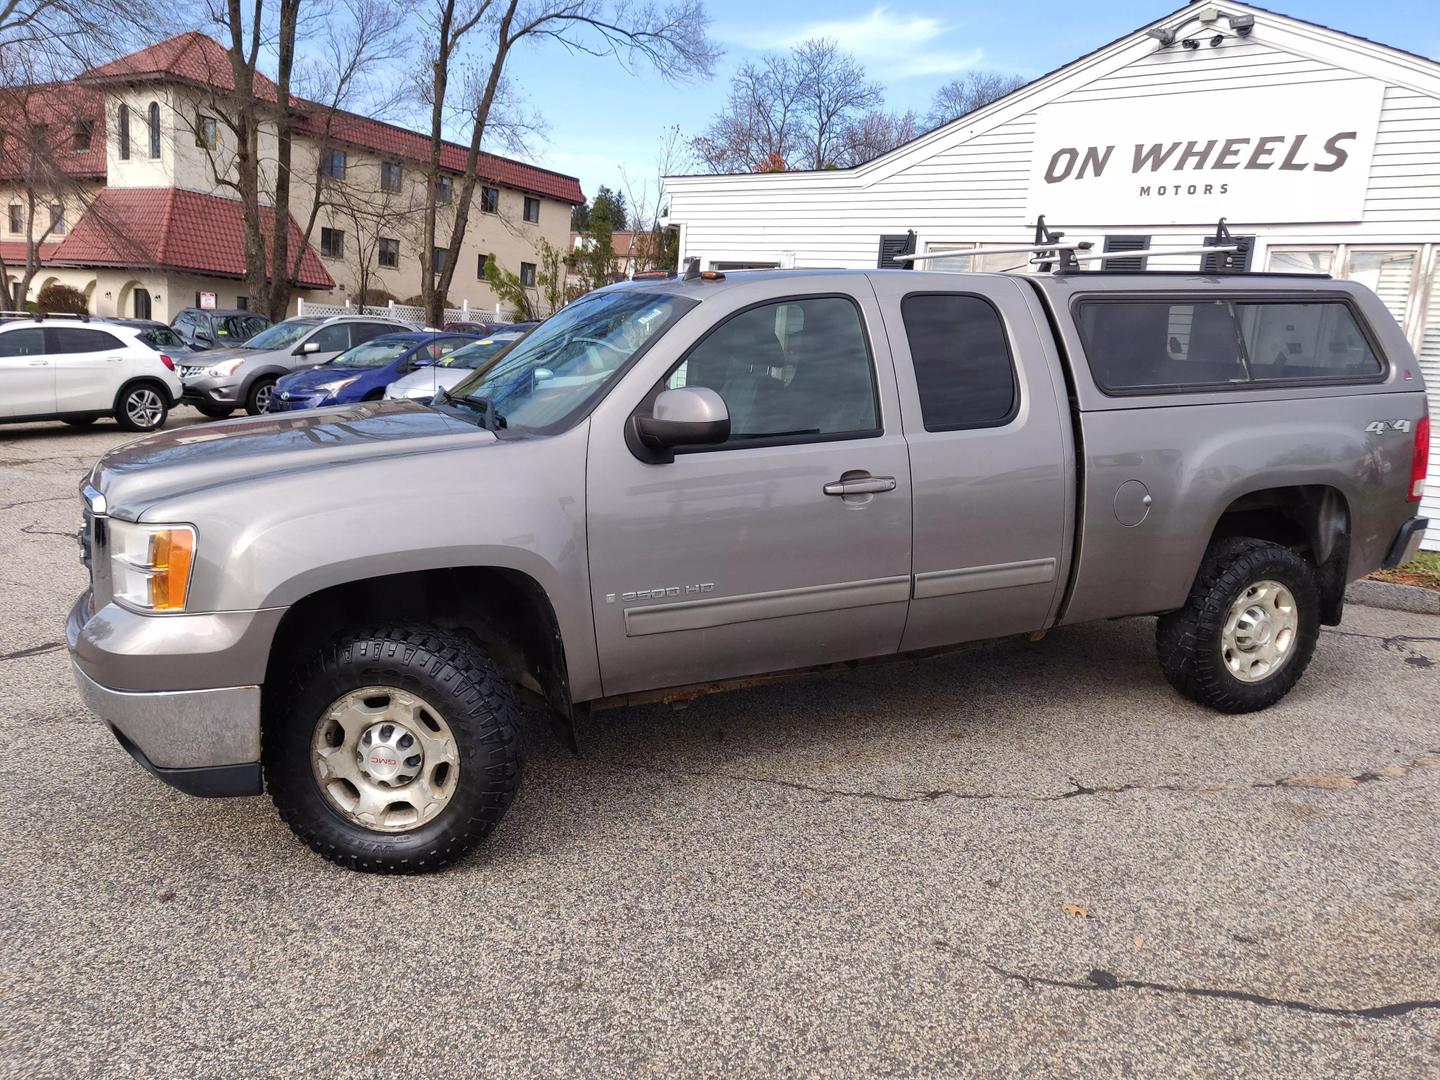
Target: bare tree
[
  {"x": 671, "y": 39},
  {"x": 654, "y": 248},
  {"x": 66, "y": 36},
  {"x": 760, "y": 126},
  {"x": 791, "y": 111},
  {"x": 877, "y": 132},
  {"x": 968, "y": 93},
  {"x": 348, "y": 44}
]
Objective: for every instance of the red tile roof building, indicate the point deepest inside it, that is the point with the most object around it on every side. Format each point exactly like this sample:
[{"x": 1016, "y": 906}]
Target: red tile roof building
[{"x": 136, "y": 212}]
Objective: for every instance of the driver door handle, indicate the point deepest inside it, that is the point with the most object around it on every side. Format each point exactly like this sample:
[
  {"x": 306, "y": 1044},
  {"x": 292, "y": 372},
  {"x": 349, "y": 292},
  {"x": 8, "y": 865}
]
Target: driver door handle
[{"x": 865, "y": 485}]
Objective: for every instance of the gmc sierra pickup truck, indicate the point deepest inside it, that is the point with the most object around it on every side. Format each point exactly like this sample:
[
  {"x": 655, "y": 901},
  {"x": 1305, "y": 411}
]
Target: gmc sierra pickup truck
[{"x": 680, "y": 482}]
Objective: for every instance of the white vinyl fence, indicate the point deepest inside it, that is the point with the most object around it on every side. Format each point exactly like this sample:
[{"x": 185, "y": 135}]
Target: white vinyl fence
[{"x": 404, "y": 312}]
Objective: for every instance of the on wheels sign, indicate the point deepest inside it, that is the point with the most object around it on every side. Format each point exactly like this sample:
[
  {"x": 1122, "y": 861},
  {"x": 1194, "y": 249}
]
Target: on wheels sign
[{"x": 1269, "y": 154}]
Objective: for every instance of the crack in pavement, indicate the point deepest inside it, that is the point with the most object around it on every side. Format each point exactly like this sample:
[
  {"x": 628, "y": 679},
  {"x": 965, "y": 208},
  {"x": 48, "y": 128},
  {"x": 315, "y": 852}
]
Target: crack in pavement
[
  {"x": 32, "y": 502},
  {"x": 1102, "y": 980},
  {"x": 1324, "y": 782},
  {"x": 32, "y": 530},
  {"x": 33, "y": 650}
]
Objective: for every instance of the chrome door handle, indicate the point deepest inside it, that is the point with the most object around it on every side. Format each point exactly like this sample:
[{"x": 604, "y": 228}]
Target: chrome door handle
[
  {"x": 868, "y": 485},
  {"x": 39, "y": 363},
  {"x": 114, "y": 359}
]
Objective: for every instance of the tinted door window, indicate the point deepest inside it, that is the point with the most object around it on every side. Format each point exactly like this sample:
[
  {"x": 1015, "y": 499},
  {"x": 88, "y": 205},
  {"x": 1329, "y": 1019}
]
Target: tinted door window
[
  {"x": 334, "y": 338},
  {"x": 791, "y": 370},
  {"x": 962, "y": 361},
  {"x": 28, "y": 342},
  {"x": 75, "y": 339},
  {"x": 361, "y": 332}
]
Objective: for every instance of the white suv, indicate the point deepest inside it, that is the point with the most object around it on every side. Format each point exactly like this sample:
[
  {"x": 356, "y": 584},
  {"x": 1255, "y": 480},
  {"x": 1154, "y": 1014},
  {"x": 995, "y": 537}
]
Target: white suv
[{"x": 77, "y": 371}]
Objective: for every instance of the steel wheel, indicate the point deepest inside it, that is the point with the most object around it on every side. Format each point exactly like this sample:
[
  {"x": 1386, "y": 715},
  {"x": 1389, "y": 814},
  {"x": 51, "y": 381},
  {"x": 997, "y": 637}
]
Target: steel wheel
[
  {"x": 385, "y": 759},
  {"x": 144, "y": 408},
  {"x": 1258, "y": 637}
]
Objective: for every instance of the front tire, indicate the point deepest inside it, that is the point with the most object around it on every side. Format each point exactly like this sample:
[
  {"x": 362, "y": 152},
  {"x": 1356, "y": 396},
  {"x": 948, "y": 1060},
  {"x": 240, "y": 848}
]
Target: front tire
[
  {"x": 257, "y": 401},
  {"x": 142, "y": 407},
  {"x": 1247, "y": 631},
  {"x": 397, "y": 750}
]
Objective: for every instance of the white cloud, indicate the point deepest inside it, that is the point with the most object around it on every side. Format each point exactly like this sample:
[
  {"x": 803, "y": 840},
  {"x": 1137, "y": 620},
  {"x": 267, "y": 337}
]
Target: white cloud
[{"x": 897, "y": 44}]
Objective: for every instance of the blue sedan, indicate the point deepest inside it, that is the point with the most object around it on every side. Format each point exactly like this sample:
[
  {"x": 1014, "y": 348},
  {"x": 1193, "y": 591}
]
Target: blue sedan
[{"x": 363, "y": 372}]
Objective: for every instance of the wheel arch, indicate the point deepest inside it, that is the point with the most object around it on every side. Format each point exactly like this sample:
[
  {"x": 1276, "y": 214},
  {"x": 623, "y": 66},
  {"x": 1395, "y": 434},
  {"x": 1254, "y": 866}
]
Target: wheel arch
[
  {"x": 1312, "y": 519},
  {"x": 505, "y": 609}
]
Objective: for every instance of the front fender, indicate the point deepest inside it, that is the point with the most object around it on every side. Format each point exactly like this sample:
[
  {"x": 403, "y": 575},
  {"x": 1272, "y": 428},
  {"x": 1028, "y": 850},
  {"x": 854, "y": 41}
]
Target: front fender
[{"x": 513, "y": 504}]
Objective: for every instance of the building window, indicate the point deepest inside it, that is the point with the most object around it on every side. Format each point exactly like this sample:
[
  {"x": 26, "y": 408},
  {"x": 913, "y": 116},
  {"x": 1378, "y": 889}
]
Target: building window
[
  {"x": 388, "y": 253},
  {"x": 390, "y": 176},
  {"x": 532, "y": 209},
  {"x": 17, "y": 218},
  {"x": 206, "y": 132},
  {"x": 480, "y": 261},
  {"x": 437, "y": 259},
  {"x": 332, "y": 243},
  {"x": 527, "y": 274},
  {"x": 332, "y": 164},
  {"x": 490, "y": 200},
  {"x": 444, "y": 190},
  {"x": 242, "y": 302},
  {"x": 122, "y": 122},
  {"x": 80, "y": 139},
  {"x": 57, "y": 219},
  {"x": 154, "y": 131}
]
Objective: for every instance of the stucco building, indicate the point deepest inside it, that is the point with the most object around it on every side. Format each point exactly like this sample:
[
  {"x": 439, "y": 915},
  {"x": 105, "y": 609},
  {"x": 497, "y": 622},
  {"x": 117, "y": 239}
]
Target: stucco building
[{"x": 146, "y": 221}]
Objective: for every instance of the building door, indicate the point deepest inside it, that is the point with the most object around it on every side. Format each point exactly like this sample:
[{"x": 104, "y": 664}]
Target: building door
[{"x": 142, "y": 302}]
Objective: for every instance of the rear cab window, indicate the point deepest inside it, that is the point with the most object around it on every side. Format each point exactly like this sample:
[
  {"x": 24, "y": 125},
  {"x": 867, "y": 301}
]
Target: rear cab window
[
  {"x": 964, "y": 372},
  {"x": 1175, "y": 344}
]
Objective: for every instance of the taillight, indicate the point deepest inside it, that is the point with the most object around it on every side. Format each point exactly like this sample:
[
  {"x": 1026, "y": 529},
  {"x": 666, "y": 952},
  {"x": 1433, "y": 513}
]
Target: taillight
[
  {"x": 167, "y": 361},
  {"x": 1421, "y": 461}
]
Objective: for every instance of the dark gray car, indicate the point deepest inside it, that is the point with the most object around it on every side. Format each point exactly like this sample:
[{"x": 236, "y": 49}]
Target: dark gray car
[
  {"x": 218, "y": 328},
  {"x": 222, "y": 380},
  {"x": 672, "y": 486}
]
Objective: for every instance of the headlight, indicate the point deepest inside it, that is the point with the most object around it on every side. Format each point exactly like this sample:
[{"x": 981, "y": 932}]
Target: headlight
[
  {"x": 225, "y": 367},
  {"x": 150, "y": 564},
  {"x": 336, "y": 386}
]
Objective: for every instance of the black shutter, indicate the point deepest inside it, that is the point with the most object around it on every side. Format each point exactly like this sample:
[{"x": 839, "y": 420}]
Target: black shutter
[
  {"x": 891, "y": 246},
  {"x": 1239, "y": 260},
  {"x": 1125, "y": 243}
]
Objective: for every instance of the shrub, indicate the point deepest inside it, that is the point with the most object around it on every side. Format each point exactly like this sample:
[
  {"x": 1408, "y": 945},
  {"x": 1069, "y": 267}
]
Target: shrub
[{"x": 57, "y": 298}]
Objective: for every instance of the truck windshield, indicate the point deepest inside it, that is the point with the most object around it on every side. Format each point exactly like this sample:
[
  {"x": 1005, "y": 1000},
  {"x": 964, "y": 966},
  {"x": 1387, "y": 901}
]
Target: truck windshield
[{"x": 567, "y": 361}]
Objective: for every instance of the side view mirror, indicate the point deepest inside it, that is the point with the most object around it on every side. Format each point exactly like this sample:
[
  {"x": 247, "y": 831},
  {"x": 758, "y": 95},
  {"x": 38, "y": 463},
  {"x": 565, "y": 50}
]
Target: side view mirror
[
  {"x": 422, "y": 361},
  {"x": 687, "y": 416},
  {"x": 543, "y": 373},
  {"x": 308, "y": 347}
]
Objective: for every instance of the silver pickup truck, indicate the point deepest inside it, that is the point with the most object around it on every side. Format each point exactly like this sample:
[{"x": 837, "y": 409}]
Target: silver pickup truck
[{"x": 677, "y": 483}]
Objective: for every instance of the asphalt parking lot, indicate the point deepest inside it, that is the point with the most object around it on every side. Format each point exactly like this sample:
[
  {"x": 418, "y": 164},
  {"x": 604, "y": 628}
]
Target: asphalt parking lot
[{"x": 1022, "y": 859}]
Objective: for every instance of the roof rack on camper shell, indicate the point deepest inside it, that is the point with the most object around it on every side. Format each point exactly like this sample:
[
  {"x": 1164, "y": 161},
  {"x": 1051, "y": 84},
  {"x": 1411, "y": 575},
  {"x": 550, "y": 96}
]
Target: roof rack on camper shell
[{"x": 1048, "y": 253}]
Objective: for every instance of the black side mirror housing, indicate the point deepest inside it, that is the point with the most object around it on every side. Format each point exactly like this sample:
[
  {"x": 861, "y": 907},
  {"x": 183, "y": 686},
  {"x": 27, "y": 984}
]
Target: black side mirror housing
[{"x": 686, "y": 416}]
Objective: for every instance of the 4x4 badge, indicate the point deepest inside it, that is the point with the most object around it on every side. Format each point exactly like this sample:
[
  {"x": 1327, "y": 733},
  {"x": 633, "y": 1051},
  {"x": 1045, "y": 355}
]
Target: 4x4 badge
[{"x": 1379, "y": 427}]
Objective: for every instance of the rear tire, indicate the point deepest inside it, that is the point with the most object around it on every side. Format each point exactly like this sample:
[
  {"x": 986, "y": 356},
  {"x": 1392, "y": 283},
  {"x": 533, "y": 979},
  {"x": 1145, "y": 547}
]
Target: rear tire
[
  {"x": 142, "y": 407},
  {"x": 1248, "y": 630},
  {"x": 215, "y": 412},
  {"x": 257, "y": 400},
  {"x": 396, "y": 750}
]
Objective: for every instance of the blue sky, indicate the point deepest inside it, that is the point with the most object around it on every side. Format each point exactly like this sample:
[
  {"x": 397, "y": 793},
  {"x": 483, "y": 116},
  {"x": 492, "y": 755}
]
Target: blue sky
[{"x": 599, "y": 116}]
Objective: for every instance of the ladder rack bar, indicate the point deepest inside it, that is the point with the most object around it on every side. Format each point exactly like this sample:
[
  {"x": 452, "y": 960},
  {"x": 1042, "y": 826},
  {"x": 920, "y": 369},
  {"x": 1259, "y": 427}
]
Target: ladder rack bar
[
  {"x": 1153, "y": 251},
  {"x": 1028, "y": 249}
]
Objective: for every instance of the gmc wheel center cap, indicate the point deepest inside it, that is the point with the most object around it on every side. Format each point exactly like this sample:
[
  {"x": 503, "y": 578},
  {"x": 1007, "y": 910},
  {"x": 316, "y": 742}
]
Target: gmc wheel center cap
[{"x": 380, "y": 755}]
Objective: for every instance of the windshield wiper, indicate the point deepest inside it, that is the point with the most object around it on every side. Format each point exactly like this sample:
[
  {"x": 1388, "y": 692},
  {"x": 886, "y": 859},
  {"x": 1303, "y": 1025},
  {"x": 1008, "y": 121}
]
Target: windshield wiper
[{"x": 490, "y": 420}]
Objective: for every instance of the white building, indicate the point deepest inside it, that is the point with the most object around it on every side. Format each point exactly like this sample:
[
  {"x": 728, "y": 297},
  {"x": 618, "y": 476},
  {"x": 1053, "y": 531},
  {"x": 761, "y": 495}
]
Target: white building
[{"x": 1322, "y": 147}]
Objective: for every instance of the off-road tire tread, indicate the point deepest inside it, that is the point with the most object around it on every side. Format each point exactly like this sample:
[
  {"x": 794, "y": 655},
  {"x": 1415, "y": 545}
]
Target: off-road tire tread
[
  {"x": 1187, "y": 640},
  {"x": 439, "y": 659}
]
